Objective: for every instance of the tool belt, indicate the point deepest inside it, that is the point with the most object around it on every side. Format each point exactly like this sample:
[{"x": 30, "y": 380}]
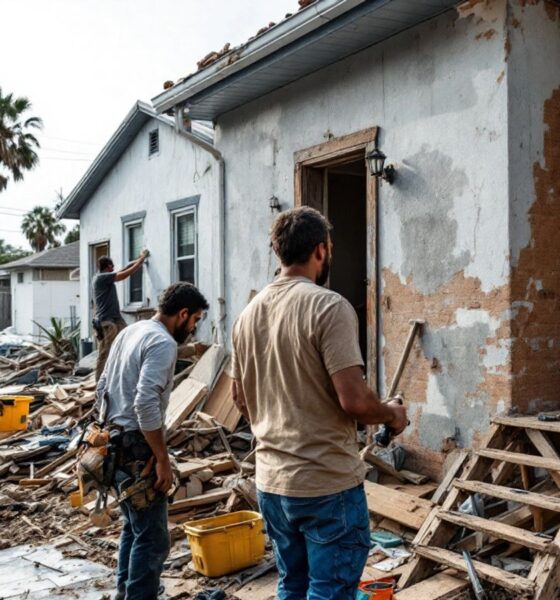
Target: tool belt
[{"x": 136, "y": 463}]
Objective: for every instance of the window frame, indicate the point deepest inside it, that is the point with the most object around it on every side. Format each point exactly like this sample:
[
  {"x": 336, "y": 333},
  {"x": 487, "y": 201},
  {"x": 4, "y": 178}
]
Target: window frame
[
  {"x": 129, "y": 222},
  {"x": 175, "y": 216}
]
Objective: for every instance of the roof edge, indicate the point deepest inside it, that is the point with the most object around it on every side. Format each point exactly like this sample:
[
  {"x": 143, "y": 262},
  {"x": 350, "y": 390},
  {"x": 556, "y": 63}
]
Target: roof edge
[{"x": 297, "y": 26}]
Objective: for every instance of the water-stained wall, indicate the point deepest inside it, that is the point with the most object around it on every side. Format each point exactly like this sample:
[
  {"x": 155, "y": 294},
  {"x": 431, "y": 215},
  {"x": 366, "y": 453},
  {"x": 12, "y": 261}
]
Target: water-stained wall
[{"x": 455, "y": 230}]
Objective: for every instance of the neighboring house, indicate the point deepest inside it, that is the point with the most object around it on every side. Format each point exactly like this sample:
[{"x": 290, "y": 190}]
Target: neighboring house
[
  {"x": 44, "y": 286},
  {"x": 465, "y": 101},
  {"x": 5, "y": 300},
  {"x": 156, "y": 188}
]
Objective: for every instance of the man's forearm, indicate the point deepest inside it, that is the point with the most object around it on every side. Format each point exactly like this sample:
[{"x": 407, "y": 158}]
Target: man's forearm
[
  {"x": 156, "y": 441},
  {"x": 376, "y": 412}
]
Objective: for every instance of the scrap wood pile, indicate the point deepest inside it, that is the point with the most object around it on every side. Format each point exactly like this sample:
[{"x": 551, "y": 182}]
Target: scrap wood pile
[{"x": 499, "y": 523}]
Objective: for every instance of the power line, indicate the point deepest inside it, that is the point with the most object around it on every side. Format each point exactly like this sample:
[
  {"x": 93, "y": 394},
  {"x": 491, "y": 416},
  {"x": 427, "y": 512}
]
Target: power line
[
  {"x": 70, "y": 141},
  {"x": 67, "y": 159},
  {"x": 65, "y": 151},
  {"x": 21, "y": 210}
]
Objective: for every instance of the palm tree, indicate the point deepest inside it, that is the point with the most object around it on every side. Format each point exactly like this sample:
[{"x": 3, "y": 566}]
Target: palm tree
[
  {"x": 17, "y": 145},
  {"x": 41, "y": 227}
]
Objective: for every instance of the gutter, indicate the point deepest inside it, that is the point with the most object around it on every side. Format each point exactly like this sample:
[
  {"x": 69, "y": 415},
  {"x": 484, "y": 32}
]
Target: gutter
[
  {"x": 217, "y": 155},
  {"x": 279, "y": 36}
]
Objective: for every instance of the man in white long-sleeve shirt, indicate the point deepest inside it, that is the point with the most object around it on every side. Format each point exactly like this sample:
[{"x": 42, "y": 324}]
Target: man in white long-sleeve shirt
[{"x": 133, "y": 392}]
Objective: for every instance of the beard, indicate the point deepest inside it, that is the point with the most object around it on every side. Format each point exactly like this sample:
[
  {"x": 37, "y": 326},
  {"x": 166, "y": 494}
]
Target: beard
[
  {"x": 323, "y": 276},
  {"x": 182, "y": 333}
]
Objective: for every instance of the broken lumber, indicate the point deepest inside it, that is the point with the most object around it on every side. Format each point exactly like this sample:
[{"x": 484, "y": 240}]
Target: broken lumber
[
  {"x": 442, "y": 586},
  {"x": 398, "y": 506},
  {"x": 184, "y": 399},
  {"x": 211, "y": 497}
]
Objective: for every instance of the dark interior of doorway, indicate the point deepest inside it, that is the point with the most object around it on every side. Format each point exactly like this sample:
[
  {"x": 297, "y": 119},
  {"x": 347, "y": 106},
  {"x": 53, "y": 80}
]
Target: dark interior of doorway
[{"x": 345, "y": 207}]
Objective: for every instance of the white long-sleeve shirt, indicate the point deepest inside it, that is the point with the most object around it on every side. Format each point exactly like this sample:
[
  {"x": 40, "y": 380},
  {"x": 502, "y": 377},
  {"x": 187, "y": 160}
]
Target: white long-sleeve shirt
[{"x": 138, "y": 376}]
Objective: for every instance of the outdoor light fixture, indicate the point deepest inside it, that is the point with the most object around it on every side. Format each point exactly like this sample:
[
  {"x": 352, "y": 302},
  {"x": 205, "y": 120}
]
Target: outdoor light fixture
[
  {"x": 274, "y": 204},
  {"x": 376, "y": 163}
]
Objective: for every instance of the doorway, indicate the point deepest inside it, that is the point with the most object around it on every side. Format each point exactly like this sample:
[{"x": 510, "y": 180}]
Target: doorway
[
  {"x": 333, "y": 178},
  {"x": 345, "y": 207},
  {"x": 96, "y": 251}
]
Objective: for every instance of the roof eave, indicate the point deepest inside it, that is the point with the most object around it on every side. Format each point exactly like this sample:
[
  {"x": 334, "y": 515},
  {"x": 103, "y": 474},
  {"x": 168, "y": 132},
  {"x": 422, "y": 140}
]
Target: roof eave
[{"x": 286, "y": 32}]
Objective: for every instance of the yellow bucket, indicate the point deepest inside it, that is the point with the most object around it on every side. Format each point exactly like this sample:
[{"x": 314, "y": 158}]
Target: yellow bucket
[
  {"x": 227, "y": 543},
  {"x": 14, "y": 411}
]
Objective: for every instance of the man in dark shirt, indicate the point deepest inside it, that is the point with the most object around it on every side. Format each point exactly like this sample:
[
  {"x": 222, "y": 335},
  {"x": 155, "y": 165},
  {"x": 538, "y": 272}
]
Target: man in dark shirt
[{"x": 109, "y": 321}]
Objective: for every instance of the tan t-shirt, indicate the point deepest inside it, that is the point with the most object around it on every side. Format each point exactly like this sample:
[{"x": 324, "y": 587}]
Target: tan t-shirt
[{"x": 286, "y": 344}]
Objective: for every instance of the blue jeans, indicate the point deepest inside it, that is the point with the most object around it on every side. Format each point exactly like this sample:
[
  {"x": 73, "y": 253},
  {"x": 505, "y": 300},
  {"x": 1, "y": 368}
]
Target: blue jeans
[
  {"x": 320, "y": 544},
  {"x": 143, "y": 548}
]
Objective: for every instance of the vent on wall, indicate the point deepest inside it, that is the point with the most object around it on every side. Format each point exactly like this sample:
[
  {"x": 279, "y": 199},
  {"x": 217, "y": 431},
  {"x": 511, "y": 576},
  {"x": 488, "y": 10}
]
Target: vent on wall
[{"x": 154, "y": 142}]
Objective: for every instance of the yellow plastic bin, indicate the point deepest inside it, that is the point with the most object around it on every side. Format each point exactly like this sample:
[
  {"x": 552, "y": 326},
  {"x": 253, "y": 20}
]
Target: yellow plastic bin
[
  {"x": 227, "y": 543},
  {"x": 14, "y": 411}
]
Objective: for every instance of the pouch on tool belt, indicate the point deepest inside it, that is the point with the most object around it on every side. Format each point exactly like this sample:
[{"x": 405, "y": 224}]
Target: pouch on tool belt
[
  {"x": 140, "y": 491},
  {"x": 95, "y": 460}
]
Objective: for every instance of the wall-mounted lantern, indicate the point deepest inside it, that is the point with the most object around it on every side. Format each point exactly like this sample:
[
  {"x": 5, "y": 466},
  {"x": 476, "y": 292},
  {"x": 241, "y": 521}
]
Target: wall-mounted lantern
[
  {"x": 376, "y": 164},
  {"x": 274, "y": 204}
]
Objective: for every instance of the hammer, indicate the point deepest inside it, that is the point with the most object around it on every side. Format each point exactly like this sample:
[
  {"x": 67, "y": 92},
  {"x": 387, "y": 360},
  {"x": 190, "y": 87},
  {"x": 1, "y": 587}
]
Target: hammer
[{"x": 384, "y": 435}]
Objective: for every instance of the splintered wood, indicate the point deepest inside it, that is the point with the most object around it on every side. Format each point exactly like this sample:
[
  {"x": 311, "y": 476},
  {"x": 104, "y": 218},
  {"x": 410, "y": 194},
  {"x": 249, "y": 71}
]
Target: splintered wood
[{"x": 517, "y": 464}]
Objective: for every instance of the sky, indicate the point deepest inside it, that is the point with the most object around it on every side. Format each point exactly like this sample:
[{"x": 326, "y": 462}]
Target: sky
[{"x": 84, "y": 63}]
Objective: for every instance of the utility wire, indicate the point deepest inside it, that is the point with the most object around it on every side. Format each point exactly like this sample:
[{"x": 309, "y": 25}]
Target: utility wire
[
  {"x": 49, "y": 137},
  {"x": 63, "y": 158},
  {"x": 65, "y": 151}
]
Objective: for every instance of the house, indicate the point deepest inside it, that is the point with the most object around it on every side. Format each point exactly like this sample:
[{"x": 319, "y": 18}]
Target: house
[
  {"x": 5, "y": 300},
  {"x": 156, "y": 187},
  {"x": 464, "y": 99},
  {"x": 45, "y": 285}
]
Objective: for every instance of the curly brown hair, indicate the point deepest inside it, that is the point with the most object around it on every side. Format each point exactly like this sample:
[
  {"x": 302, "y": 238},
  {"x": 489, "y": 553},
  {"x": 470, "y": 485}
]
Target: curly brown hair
[{"x": 296, "y": 232}]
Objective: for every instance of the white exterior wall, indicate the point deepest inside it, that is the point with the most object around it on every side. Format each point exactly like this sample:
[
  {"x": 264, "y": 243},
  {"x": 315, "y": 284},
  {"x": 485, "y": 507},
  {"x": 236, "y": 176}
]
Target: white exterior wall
[
  {"x": 22, "y": 302},
  {"x": 141, "y": 183},
  {"x": 40, "y": 301}
]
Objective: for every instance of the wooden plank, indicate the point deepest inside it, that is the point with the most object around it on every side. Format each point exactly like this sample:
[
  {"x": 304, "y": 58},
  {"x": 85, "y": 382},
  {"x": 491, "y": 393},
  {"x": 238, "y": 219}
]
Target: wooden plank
[
  {"x": 423, "y": 490},
  {"x": 384, "y": 467},
  {"x": 528, "y": 423},
  {"x": 209, "y": 367},
  {"x": 451, "y": 474},
  {"x": 442, "y": 586},
  {"x": 516, "y": 458},
  {"x": 511, "y": 494},
  {"x": 220, "y": 403},
  {"x": 509, "y": 581},
  {"x": 340, "y": 146},
  {"x": 398, "y": 506},
  {"x": 184, "y": 399},
  {"x": 543, "y": 444},
  {"x": 499, "y": 530},
  {"x": 211, "y": 497}
]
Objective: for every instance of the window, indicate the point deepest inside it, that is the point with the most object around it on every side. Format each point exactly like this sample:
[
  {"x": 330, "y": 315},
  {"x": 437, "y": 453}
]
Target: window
[
  {"x": 20, "y": 277},
  {"x": 134, "y": 241},
  {"x": 184, "y": 243},
  {"x": 153, "y": 142}
]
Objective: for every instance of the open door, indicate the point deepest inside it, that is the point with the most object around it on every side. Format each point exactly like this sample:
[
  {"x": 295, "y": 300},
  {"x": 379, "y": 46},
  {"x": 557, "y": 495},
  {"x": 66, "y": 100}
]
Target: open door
[{"x": 333, "y": 178}]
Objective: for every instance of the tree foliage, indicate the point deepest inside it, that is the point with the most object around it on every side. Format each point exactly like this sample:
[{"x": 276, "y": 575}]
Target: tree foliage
[
  {"x": 73, "y": 235},
  {"x": 41, "y": 228},
  {"x": 9, "y": 253},
  {"x": 17, "y": 144}
]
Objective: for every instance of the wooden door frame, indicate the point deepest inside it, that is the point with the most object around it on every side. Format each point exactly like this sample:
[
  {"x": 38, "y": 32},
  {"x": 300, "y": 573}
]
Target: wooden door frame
[{"x": 335, "y": 152}]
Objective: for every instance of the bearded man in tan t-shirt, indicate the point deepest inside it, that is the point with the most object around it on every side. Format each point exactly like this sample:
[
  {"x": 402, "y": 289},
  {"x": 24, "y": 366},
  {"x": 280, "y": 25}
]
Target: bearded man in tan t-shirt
[{"x": 298, "y": 378}]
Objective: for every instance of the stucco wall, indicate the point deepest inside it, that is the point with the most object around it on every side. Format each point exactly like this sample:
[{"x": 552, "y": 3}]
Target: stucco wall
[
  {"x": 142, "y": 183},
  {"x": 439, "y": 93}
]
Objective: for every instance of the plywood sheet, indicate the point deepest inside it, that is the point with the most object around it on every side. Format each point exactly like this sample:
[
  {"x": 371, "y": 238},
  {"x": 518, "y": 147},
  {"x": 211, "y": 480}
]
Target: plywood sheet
[
  {"x": 220, "y": 403},
  {"x": 184, "y": 399}
]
